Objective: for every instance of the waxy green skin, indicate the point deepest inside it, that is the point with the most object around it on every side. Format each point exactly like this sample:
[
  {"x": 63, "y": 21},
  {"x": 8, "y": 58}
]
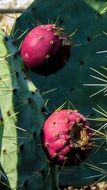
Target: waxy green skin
[
  {"x": 69, "y": 81},
  {"x": 84, "y": 19},
  {"x": 22, "y": 115}
]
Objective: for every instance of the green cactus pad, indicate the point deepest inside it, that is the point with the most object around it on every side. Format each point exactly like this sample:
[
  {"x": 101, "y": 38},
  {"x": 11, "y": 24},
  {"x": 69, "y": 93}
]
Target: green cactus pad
[
  {"x": 23, "y": 113},
  {"x": 85, "y": 23}
]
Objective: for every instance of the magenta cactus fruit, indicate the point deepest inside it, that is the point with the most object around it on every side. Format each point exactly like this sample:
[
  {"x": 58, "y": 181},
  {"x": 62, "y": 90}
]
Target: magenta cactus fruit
[
  {"x": 45, "y": 49},
  {"x": 66, "y": 137}
]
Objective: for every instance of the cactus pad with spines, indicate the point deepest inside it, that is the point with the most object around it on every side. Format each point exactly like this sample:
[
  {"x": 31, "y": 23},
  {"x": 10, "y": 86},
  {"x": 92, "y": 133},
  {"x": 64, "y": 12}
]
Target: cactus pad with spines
[
  {"x": 23, "y": 112},
  {"x": 86, "y": 24}
]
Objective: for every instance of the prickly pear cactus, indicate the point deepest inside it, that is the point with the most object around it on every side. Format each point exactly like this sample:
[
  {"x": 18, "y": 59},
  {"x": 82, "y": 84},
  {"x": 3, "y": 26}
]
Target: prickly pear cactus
[
  {"x": 85, "y": 23},
  {"x": 86, "y": 34},
  {"x": 23, "y": 113}
]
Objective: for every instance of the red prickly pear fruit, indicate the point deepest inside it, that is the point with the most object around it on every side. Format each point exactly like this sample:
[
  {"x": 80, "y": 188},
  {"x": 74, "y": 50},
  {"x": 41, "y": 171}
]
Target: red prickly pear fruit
[
  {"x": 45, "y": 49},
  {"x": 66, "y": 137}
]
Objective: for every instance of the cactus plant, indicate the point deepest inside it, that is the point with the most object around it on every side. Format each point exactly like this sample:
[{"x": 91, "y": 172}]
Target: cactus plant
[
  {"x": 85, "y": 22},
  {"x": 23, "y": 113},
  {"x": 71, "y": 16}
]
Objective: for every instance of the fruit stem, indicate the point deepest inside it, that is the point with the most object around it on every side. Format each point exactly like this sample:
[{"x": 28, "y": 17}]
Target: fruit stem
[{"x": 54, "y": 176}]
